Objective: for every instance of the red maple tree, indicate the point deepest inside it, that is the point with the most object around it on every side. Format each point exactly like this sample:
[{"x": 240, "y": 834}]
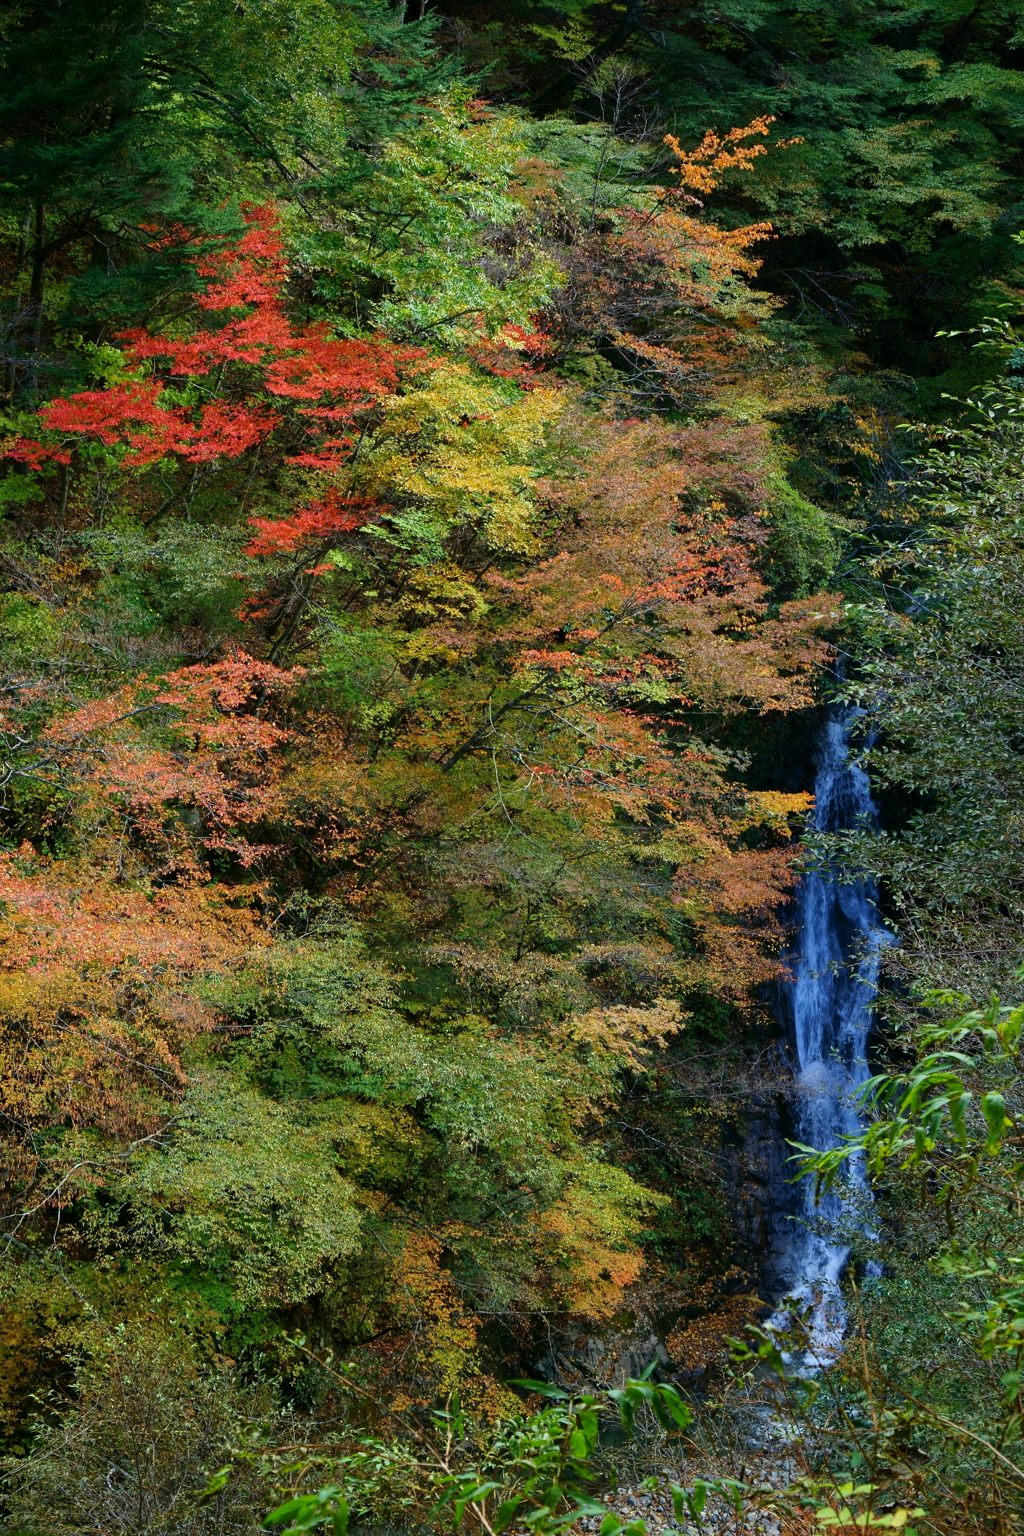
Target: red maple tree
[{"x": 227, "y": 381}]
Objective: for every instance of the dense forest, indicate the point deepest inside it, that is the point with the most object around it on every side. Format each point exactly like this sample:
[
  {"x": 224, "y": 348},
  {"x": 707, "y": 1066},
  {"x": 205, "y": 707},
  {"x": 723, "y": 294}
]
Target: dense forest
[{"x": 456, "y": 459}]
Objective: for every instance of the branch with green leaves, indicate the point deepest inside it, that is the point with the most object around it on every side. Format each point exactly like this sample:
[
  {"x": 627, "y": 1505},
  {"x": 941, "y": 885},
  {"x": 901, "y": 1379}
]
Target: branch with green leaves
[
  {"x": 532, "y": 1472},
  {"x": 954, "y": 1124},
  {"x": 952, "y": 1117}
]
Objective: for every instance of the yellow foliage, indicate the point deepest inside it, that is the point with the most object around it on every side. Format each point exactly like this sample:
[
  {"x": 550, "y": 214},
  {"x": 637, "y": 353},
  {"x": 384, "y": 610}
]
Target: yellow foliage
[
  {"x": 626, "y": 1034},
  {"x": 427, "y": 1296},
  {"x": 772, "y": 808},
  {"x": 459, "y": 448},
  {"x": 594, "y": 1229},
  {"x": 440, "y": 592}
]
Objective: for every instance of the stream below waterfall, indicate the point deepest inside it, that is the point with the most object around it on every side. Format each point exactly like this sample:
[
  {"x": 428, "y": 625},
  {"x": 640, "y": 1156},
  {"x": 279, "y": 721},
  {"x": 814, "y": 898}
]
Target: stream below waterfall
[{"x": 828, "y": 1003}]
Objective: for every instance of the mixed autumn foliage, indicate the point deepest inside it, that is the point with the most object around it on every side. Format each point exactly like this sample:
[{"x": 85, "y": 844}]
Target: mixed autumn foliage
[
  {"x": 366, "y": 822},
  {"x": 408, "y": 585},
  {"x": 443, "y": 745}
]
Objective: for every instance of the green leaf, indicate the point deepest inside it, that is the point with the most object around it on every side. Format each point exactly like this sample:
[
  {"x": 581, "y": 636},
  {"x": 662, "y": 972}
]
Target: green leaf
[
  {"x": 466, "y": 1490},
  {"x": 293, "y": 1507},
  {"x": 958, "y": 1115},
  {"x": 216, "y": 1483},
  {"x": 993, "y": 1107},
  {"x": 579, "y": 1449},
  {"x": 541, "y": 1387},
  {"x": 624, "y": 1402},
  {"x": 589, "y": 1424},
  {"x": 506, "y": 1513},
  {"x": 668, "y": 1398},
  {"x": 311, "y": 1509}
]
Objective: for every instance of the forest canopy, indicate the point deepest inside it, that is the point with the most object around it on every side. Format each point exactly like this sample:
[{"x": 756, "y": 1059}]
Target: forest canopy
[{"x": 453, "y": 459}]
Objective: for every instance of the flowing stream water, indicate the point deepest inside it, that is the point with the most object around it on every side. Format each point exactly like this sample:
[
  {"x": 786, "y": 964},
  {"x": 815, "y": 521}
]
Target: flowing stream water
[{"x": 829, "y": 1000}]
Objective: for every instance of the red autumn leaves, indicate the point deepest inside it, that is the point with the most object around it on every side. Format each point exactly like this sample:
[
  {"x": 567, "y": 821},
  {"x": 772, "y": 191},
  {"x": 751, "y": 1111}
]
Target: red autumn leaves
[
  {"x": 219, "y": 390},
  {"x": 321, "y": 520}
]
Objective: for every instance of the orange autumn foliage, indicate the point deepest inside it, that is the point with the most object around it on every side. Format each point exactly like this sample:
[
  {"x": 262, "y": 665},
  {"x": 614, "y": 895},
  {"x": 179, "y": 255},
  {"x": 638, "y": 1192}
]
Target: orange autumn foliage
[
  {"x": 197, "y": 743},
  {"x": 99, "y": 956},
  {"x": 569, "y": 705},
  {"x": 98, "y": 1015},
  {"x": 660, "y": 287},
  {"x": 654, "y": 612}
]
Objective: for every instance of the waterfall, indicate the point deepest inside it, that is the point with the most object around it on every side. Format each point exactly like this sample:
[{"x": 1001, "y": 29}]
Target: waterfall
[{"x": 829, "y": 1000}]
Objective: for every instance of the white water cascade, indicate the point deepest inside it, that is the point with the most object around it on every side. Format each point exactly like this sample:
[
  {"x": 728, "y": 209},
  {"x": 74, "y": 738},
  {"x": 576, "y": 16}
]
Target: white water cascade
[{"x": 834, "y": 971}]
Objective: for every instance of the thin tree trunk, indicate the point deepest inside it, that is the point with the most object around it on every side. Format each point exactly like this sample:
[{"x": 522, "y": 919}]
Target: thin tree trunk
[
  {"x": 10, "y": 371},
  {"x": 37, "y": 286},
  {"x": 559, "y": 89},
  {"x": 65, "y": 482}
]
